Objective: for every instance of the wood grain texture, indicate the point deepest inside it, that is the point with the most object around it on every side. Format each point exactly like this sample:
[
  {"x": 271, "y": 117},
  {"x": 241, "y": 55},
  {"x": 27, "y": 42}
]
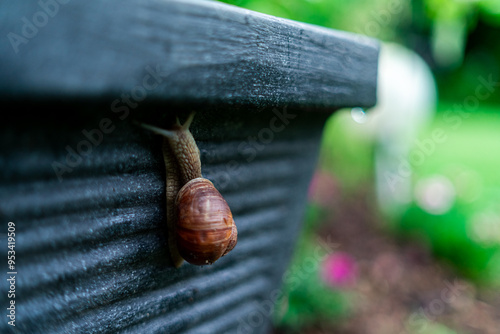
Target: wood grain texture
[
  {"x": 192, "y": 50},
  {"x": 93, "y": 248}
]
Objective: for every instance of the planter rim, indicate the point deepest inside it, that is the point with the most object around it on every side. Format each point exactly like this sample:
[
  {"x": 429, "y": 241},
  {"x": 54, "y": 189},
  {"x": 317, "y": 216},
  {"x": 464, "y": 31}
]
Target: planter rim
[{"x": 180, "y": 50}]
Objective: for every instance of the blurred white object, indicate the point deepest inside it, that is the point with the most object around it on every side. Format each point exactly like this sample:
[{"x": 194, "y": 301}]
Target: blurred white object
[
  {"x": 406, "y": 101},
  {"x": 435, "y": 194}
]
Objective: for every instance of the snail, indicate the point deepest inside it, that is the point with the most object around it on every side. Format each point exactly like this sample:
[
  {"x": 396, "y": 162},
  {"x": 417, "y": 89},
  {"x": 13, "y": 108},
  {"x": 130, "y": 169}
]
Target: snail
[{"x": 200, "y": 224}]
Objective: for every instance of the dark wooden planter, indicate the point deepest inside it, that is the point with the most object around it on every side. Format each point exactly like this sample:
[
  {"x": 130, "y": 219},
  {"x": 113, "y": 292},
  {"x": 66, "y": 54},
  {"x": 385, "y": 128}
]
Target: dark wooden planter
[{"x": 84, "y": 186}]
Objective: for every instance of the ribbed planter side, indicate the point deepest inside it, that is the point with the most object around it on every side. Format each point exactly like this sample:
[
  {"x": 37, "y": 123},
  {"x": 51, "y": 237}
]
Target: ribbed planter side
[{"x": 91, "y": 249}]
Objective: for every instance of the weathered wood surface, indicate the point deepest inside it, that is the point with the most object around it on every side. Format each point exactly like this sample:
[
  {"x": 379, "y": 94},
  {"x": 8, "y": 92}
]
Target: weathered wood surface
[
  {"x": 91, "y": 243},
  {"x": 192, "y": 50}
]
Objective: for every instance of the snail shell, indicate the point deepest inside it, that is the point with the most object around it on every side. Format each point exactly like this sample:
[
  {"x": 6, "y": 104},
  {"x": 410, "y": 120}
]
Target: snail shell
[
  {"x": 205, "y": 227},
  {"x": 200, "y": 224}
]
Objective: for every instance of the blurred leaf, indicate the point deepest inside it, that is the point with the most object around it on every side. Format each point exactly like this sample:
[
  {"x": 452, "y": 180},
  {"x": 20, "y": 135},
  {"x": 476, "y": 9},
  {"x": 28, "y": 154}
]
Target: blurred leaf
[
  {"x": 491, "y": 10},
  {"x": 449, "y": 10}
]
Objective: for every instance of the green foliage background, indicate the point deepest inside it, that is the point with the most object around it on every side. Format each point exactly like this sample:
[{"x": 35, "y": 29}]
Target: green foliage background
[
  {"x": 459, "y": 41},
  {"x": 458, "y": 38}
]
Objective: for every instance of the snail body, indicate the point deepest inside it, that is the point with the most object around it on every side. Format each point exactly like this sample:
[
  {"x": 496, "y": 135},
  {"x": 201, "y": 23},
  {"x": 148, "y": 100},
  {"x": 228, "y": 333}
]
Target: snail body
[{"x": 200, "y": 224}]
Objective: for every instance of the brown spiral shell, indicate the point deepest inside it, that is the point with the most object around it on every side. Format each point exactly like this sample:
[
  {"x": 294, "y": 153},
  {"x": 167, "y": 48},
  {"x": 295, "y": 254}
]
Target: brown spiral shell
[
  {"x": 205, "y": 226},
  {"x": 200, "y": 225}
]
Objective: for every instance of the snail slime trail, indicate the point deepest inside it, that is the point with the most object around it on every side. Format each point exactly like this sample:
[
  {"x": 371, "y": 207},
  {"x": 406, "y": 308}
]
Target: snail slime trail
[{"x": 201, "y": 227}]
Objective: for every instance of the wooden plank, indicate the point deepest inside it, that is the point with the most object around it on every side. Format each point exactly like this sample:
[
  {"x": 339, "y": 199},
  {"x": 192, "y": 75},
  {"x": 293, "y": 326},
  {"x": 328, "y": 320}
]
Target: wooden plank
[{"x": 193, "y": 50}]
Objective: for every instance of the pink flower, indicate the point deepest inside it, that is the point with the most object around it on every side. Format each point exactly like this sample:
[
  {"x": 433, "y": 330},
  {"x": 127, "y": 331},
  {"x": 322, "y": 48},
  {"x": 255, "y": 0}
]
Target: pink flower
[{"x": 339, "y": 270}]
